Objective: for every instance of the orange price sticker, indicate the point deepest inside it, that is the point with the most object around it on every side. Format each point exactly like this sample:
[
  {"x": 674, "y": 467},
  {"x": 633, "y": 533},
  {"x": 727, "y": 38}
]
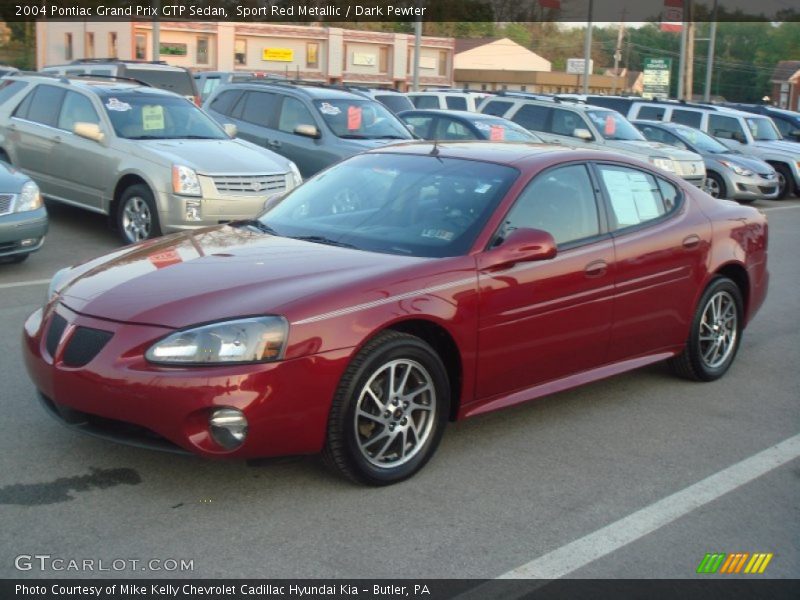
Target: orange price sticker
[
  {"x": 497, "y": 133},
  {"x": 611, "y": 125},
  {"x": 353, "y": 117}
]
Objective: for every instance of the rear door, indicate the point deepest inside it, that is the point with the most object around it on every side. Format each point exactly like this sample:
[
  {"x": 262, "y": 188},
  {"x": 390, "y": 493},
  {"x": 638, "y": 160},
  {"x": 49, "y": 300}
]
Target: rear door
[
  {"x": 307, "y": 153},
  {"x": 253, "y": 114},
  {"x": 533, "y": 117}
]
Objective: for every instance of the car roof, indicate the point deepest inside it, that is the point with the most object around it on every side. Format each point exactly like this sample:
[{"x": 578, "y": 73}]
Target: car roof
[
  {"x": 100, "y": 86},
  {"x": 464, "y": 114},
  {"x": 310, "y": 91},
  {"x": 139, "y": 64}
]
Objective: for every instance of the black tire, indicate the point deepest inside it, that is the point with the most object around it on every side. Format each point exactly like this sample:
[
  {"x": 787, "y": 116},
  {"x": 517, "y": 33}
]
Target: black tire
[
  {"x": 715, "y": 180},
  {"x": 16, "y": 258},
  {"x": 137, "y": 216},
  {"x": 699, "y": 361},
  {"x": 785, "y": 181},
  {"x": 4, "y": 157},
  {"x": 348, "y": 445}
]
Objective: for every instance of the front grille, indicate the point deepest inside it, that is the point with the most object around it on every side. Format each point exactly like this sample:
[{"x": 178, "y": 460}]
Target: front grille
[
  {"x": 57, "y": 326},
  {"x": 6, "y": 203},
  {"x": 84, "y": 345},
  {"x": 766, "y": 189},
  {"x": 250, "y": 184},
  {"x": 767, "y": 175}
]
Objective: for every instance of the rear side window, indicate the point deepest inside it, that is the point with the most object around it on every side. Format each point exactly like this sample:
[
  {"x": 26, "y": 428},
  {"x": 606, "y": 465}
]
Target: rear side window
[
  {"x": 180, "y": 82},
  {"x": 651, "y": 113},
  {"x": 425, "y": 101},
  {"x": 77, "y": 108},
  {"x": 421, "y": 125},
  {"x": 256, "y": 108},
  {"x": 496, "y": 108},
  {"x": 45, "y": 105},
  {"x": 395, "y": 103},
  {"x": 531, "y": 116},
  {"x": 9, "y": 88},
  {"x": 225, "y": 101},
  {"x": 635, "y": 196},
  {"x": 691, "y": 118},
  {"x": 449, "y": 129},
  {"x": 456, "y": 102}
]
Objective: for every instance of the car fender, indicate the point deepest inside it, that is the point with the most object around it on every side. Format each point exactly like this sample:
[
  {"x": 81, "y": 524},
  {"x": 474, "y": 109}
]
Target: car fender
[{"x": 108, "y": 195}]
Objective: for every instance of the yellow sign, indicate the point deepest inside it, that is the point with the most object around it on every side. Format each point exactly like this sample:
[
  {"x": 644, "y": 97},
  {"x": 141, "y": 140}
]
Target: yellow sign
[{"x": 278, "y": 54}]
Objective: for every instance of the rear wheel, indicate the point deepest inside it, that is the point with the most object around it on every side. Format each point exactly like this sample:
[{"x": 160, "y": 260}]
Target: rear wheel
[
  {"x": 389, "y": 412},
  {"x": 785, "y": 182},
  {"x": 137, "y": 217},
  {"x": 715, "y": 334}
]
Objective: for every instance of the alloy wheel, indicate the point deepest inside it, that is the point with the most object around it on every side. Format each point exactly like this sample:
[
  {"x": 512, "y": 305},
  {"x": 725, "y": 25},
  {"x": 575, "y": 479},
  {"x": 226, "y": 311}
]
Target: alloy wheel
[
  {"x": 712, "y": 187},
  {"x": 137, "y": 220},
  {"x": 718, "y": 329}
]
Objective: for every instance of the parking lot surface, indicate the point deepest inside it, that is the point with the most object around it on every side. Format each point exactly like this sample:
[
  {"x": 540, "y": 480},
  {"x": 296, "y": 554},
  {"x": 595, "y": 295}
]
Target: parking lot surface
[{"x": 504, "y": 489}]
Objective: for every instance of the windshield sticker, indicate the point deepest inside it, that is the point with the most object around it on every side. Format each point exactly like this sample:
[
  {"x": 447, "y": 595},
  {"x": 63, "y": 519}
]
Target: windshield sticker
[
  {"x": 114, "y": 104},
  {"x": 438, "y": 234},
  {"x": 611, "y": 126},
  {"x": 497, "y": 133},
  {"x": 329, "y": 109},
  {"x": 152, "y": 117},
  {"x": 482, "y": 189},
  {"x": 482, "y": 126},
  {"x": 353, "y": 118}
]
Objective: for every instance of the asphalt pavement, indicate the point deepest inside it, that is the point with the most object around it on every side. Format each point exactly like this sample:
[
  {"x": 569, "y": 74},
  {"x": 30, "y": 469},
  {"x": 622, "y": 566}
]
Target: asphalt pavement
[{"x": 505, "y": 490}]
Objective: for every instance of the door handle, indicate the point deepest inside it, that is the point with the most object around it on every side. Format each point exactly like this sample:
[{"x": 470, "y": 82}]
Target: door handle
[
  {"x": 597, "y": 268},
  {"x": 57, "y": 139},
  {"x": 274, "y": 143},
  {"x": 691, "y": 241}
]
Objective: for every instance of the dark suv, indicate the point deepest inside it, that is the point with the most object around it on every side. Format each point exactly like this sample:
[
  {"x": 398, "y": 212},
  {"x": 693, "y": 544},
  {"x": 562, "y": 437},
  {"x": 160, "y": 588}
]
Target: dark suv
[
  {"x": 787, "y": 121},
  {"x": 313, "y": 126}
]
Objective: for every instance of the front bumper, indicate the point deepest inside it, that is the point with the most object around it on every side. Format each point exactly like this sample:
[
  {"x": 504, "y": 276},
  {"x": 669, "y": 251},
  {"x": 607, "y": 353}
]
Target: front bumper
[
  {"x": 118, "y": 395},
  {"x": 698, "y": 182},
  {"x": 753, "y": 187},
  {"x": 16, "y": 227}
]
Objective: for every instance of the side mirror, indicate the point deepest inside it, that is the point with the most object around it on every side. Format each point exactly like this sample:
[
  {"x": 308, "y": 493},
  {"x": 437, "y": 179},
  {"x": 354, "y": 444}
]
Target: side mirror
[
  {"x": 522, "y": 245},
  {"x": 307, "y": 131},
  {"x": 90, "y": 131},
  {"x": 231, "y": 130},
  {"x": 583, "y": 134}
]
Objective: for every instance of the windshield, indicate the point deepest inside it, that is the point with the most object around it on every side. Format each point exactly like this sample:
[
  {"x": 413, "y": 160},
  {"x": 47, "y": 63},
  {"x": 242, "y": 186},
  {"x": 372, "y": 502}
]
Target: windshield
[
  {"x": 613, "y": 126},
  {"x": 397, "y": 204},
  {"x": 395, "y": 102},
  {"x": 502, "y": 130},
  {"x": 702, "y": 141},
  {"x": 151, "y": 117},
  {"x": 179, "y": 82},
  {"x": 763, "y": 130},
  {"x": 361, "y": 119}
]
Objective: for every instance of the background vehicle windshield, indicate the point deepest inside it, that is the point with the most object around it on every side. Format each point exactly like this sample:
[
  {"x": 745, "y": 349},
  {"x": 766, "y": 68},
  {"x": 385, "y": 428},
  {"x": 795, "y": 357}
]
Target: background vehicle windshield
[
  {"x": 763, "y": 130},
  {"x": 613, "y": 126},
  {"x": 151, "y": 117},
  {"x": 397, "y": 204},
  {"x": 702, "y": 141},
  {"x": 361, "y": 119},
  {"x": 179, "y": 82},
  {"x": 504, "y": 130}
]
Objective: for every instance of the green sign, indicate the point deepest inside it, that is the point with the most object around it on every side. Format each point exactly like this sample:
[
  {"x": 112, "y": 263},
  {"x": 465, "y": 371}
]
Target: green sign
[{"x": 656, "y": 77}]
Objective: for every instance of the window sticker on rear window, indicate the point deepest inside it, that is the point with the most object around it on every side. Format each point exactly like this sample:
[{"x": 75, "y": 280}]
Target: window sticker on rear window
[
  {"x": 329, "y": 109},
  {"x": 353, "y": 117},
  {"x": 114, "y": 104},
  {"x": 152, "y": 117}
]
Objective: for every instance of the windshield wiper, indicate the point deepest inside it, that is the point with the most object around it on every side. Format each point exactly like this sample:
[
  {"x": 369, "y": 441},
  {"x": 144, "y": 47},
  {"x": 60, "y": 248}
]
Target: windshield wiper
[
  {"x": 391, "y": 137},
  {"x": 320, "y": 239},
  {"x": 255, "y": 224},
  {"x": 148, "y": 137},
  {"x": 353, "y": 136},
  {"x": 197, "y": 137}
]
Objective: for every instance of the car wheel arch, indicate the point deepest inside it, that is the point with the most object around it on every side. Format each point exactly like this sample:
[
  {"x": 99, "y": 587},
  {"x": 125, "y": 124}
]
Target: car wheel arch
[
  {"x": 737, "y": 273},
  {"x": 123, "y": 183}
]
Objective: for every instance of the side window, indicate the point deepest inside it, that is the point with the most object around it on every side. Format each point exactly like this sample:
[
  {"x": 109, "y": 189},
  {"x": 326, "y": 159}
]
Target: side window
[
  {"x": 456, "y": 102},
  {"x": 669, "y": 193},
  {"x": 560, "y": 201},
  {"x": 421, "y": 125},
  {"x": 672, "y": 140},
  {"x": 651, "y": 113},
  {"x": 784, "y": 126},
  {"x": 496, "y": 108},
  {"x": 21, "y": 111},
  {"x": 45, "y": 105},
  {"x": 77, "y": 108},
  {"x": 425, "y": 101},
  {"x": 653, "y": 134},
  {"x": 448, "y": 129},
  {"x": 634, "y": 195},
  {"x": 256, "y": 108},
  {"x": 209, "y": 85},
  {"x": 725, "y": 127},
  {"x": 532, "y": 117},
  {"x": 565, "y": 122},
  {"x": 225, "y": 101},
  {"x": 294, "y": 113},
  {"x": 692, "y": 118}
]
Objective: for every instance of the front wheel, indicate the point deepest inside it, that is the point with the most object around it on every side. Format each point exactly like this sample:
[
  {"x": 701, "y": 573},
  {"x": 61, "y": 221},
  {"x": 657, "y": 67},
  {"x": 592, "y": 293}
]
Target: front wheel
[
  {"x": 715, "y": 186},
  {"x": 785, "y": 181},
  {"x": 715, "y": 335},
  {"x": 389, "y": 411},
  {"x": 137, "y": 217}
]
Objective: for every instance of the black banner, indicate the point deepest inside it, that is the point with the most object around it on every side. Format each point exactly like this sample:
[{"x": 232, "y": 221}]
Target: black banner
[
  {"x": 427, "y": 589},
  {"x": 337, "y": 11}
]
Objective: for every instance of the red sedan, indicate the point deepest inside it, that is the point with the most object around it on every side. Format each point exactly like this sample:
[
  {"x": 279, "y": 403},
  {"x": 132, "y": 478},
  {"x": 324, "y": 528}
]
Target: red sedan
[{"x": 395, "y": 291}]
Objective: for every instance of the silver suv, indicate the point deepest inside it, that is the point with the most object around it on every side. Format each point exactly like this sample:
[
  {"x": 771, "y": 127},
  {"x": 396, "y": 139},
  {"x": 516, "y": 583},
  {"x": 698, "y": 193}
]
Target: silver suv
[
  {"x": 582, "y": 125},
  {"x": 148, "y": 158}
]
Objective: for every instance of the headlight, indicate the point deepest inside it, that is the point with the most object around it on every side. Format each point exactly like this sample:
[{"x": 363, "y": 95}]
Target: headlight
[
  {"x": 258, "y": 339},
  {"x": 29, "y": 198},
  {"x": 297, "y": 178},
  {"x": 185, "y": 181},
  {"x": 737, "y": 169},
  {"x": 663, "y": 163},
  {"x": 57, "y": 283}
]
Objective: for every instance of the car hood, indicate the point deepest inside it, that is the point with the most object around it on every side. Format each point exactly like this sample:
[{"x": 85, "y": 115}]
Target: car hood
[
  {"x": 790, "y": 148},
  {"x": 746, "y": 162},
  {"x": 213, "y": 274},
  {"x": 214, "y": 156},
  {"x": 369, "y": 144},
  {"x": 648, "y": 148}
]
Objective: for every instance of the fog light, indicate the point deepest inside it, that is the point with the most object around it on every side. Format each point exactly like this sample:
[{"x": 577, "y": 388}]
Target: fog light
[
  {"x": 193, "y": 212},
  {"x": 29, "y": 242},
  {"x": 228, "y": 427}
]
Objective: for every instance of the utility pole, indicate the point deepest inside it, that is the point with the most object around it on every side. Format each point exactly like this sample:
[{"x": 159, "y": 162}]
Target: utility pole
[
  {"x": 682, "y": 59},
  {"x": 417, "y": 45},
  {"x": 618, "y": 50},
  {"x": 712, "y": 40},
  {"x": 587, "y": 51},
  {"x": 156, "y": 31},
  {"x": 689, "y": 56}
]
